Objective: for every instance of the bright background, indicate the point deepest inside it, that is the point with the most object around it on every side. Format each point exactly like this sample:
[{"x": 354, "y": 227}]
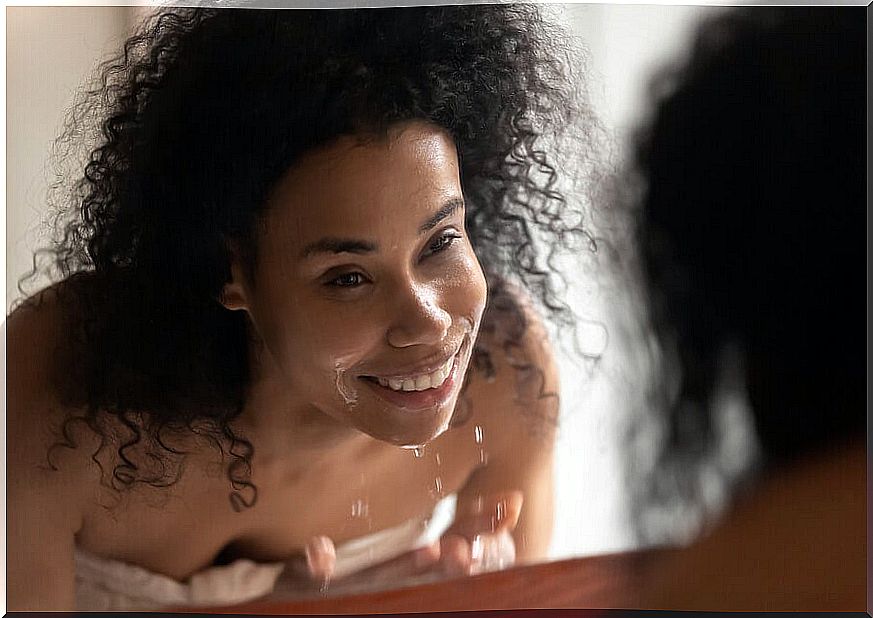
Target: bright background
[{"x": 51, "y": 51}]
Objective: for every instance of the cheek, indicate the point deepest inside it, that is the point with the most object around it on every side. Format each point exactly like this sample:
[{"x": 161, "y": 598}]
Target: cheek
[
  {"x": 466, "y": 289},
  {"x": 328, "y": 344},
  {"x": 307, "y": 343},
  {"x": 463, "y": 291}
]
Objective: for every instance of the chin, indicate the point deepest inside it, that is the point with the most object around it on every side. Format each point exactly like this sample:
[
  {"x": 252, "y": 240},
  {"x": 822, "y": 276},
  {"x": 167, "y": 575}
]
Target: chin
[
  {"x": 404, "y": 418},
  {"x": 403, "y": 428}
]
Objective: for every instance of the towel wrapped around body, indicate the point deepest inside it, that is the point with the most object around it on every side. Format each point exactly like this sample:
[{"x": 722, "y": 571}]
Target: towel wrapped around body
[{"x": 110, "y": 585}]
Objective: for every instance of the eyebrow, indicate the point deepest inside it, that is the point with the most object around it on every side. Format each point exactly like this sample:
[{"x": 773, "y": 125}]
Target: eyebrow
[
  {"x": 352, "y": 245},
  {"x": 338, "y": 245},
  {"x": 449, "y": 207}
]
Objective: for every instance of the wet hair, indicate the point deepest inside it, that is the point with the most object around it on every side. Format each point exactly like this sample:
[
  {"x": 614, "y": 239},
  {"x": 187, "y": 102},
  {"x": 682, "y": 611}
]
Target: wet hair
[
  {"x": 204, "y": 111},
  {"x": 752, "y": 236}
]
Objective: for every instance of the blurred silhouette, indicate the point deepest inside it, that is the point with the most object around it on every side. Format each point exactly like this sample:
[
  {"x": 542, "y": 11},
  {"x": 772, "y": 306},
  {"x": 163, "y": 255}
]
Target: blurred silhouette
[{"x": 752, "y": 238}]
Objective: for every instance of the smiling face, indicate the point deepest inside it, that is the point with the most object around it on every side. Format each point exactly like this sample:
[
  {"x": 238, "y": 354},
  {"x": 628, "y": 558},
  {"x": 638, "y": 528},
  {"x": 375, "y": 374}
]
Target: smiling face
[{"x": 367, "y": 294}]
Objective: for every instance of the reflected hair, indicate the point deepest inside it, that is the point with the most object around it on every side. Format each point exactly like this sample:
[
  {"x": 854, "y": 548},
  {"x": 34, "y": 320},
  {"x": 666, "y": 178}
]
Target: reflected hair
[
  {"x": 751, "y": 238},
  {"x": 202, "y": 113}
]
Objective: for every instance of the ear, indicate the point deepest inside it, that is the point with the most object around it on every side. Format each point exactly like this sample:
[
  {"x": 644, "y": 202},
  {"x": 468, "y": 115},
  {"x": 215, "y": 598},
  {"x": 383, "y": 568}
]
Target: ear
[{"x": 234, "y": 296}]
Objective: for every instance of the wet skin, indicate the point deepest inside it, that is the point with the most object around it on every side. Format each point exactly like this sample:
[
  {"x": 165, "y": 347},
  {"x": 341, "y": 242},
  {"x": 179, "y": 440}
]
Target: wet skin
[
  {"x": 364, "y": 272},
  {"x": 328, "y": 320}
]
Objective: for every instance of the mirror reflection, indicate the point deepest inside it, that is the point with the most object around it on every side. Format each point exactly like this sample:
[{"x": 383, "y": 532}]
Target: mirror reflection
[{"x": 321, "y": 303}]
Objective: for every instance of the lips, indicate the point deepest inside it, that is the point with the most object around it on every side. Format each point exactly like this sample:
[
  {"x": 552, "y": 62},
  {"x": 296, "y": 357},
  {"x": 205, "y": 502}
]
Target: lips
[
  {"x": 420, "y": 382},
  {"x": 425, "y": 390}
]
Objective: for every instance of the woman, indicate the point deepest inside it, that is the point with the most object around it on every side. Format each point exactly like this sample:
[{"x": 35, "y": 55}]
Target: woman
[
  {"x": 271, "y": 343},
  {"x": 753, "y": 243}
]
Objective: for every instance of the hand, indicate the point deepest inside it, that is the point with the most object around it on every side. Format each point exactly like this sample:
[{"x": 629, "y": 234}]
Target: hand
[{"x": 479, "y": 540}]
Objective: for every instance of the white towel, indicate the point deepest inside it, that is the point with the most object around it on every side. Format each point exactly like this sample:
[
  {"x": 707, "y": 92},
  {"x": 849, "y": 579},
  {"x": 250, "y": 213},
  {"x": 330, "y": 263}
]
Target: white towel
[{"x": 110, "y": 585}]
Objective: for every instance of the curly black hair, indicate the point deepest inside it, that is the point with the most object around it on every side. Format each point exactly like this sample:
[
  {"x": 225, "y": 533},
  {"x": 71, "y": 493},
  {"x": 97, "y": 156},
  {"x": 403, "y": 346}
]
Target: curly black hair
[
  {"x": 752, "y": 238},
  {"x": 203, "y": 112}
]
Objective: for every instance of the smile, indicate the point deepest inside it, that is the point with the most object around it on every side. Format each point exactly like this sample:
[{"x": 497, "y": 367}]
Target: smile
[
  {"x": 423, "y": 391},
  {"x": 420, "y": 382}
]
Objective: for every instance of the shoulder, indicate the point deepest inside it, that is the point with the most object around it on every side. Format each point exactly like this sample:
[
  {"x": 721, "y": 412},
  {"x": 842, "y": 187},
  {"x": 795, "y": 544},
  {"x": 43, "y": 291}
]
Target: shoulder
[
  {"x": 34, "y": 336},
  {"x": 41, "y": 352},
  {"x": 47, "y": 503},
  {"x": 515, "y": 388},
  {"x": 38, "y": 363}
]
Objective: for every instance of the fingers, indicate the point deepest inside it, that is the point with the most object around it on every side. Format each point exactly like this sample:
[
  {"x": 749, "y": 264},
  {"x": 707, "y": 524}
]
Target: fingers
[
  {"x": 492, "y": 513},
  {"x": 507, "y": 510},
  {"x": 455, "y": 558},
  {"x": 409, "y": 564},
  {"x": 492, "y": 552},
  {"x": 427, "y": 556},
  {"x": 485, "y": 552},
  {"x": 320, "y": 558},
  {"x": 479, "y": 540}
]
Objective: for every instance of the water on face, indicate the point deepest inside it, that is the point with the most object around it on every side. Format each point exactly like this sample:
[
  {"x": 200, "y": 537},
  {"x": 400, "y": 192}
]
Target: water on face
[{"x": 343, "y": 385}]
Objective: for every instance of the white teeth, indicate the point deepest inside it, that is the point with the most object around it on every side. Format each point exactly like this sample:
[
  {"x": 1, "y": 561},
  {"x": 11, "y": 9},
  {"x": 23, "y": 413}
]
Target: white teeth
[{"x": 420, "y": 383}]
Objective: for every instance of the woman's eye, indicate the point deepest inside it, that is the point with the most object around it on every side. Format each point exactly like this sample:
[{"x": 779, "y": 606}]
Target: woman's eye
[
  {"x": 347, "y": 280},
  {"x": 443, "y": 242}
]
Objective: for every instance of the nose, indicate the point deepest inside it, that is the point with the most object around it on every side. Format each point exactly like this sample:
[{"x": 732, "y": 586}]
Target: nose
[{"x": 419, "y": 319}]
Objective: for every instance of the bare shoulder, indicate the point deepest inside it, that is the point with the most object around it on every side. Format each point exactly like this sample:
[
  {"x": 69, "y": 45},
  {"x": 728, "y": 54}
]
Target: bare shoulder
[
  {"x": 45, "y": 503},
  {"x": 33, "y": 338},
  {"x": 515, "y": 391},
  {"x": 37, "y": 359}
]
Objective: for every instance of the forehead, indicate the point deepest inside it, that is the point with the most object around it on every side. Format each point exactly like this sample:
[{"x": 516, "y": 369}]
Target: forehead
[{"x": 366, "y": 187}]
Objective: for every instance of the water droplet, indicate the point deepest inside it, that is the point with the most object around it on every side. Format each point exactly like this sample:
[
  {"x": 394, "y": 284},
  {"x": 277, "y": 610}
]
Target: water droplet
[
  {"x": 418, "y": 451},
  {"x": 325, "y": 584},
  {"x": 477, "y": 549},
  {"x": 360, "y": 508},
  {"x": 501, "y": 510},
  {"x": 437, "y": 459},
  {"x": 478, "y": 434},
  {"x": 483, "y": 456},
  {"x": 438, "y": 485}
]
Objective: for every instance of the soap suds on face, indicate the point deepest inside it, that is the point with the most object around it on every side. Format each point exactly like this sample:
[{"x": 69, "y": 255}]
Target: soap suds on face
[{"x": 346, "y": 390}]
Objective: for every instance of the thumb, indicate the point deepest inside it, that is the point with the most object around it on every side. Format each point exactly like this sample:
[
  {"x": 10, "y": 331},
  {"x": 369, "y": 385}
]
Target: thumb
[{"x": 320, "y": 557}]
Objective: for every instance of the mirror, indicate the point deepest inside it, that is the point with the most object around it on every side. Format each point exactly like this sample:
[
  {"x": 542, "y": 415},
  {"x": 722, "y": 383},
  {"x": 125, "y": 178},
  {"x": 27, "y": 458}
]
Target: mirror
[{"x": 387, "y": 310}]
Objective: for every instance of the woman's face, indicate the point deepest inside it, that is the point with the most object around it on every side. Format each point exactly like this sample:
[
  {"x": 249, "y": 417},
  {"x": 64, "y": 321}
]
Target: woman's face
[{"x": 367, "y": 293}]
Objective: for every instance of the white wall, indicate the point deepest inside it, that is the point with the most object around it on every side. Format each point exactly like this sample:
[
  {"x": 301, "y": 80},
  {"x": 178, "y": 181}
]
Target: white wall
[
  {"x": 625, "y": 44},
  {"x": 51, "y": 50}
]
